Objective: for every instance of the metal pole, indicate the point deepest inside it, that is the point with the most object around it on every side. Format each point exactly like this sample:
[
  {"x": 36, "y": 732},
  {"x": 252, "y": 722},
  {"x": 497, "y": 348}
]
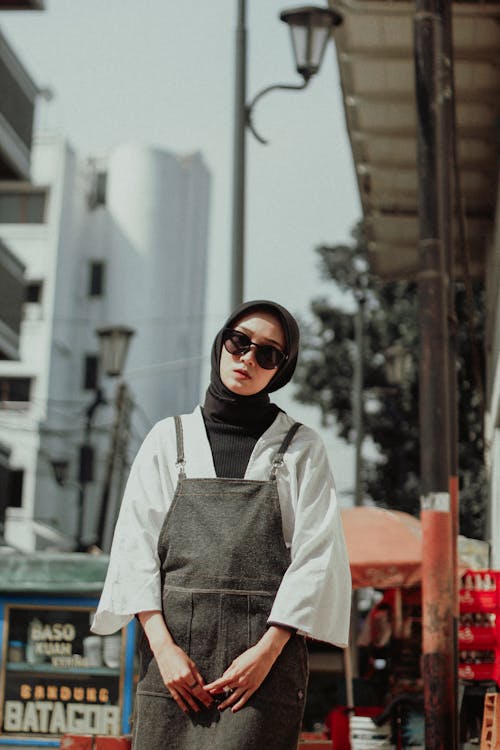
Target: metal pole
[
  {"x": 86, "y": 467},
  {"x": 447, "y": 134},
  {"x": 79, "y": 522},
  {"x": 122, "y": 448},
  {"x": 358, "y": 399},
  {"x": 239, "y": 161},
  {"x": 121, "y": 398},
  {"x": 357, "y": 418},
  {"x": 434, "y": 402}
]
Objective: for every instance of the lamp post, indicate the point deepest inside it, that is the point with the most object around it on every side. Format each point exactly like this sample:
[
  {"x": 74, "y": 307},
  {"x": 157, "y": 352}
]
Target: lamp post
[
  {"x": 114, "y": 343},
  {"x": 60, "y": 468},
  {"x": 310, "y": 29}
]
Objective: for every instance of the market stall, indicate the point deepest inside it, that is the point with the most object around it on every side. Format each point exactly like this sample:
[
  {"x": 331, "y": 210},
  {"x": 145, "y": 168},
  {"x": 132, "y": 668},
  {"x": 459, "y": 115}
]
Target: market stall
[
  {"x": 57, "y": 678},
  {"x": 385, "y": 552}
]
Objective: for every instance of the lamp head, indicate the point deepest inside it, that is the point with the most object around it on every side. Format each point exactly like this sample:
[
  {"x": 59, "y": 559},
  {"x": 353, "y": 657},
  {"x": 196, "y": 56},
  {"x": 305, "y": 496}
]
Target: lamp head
[
  {"x": 114, "y": 342},
  {"x": 310, "y": 28}
]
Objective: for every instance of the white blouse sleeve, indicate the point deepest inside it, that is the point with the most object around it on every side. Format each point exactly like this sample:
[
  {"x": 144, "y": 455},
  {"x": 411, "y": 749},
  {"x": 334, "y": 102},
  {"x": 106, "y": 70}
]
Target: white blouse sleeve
[
  {"x": 315, "y": 593},
  {"x": 133, "y": 578}
]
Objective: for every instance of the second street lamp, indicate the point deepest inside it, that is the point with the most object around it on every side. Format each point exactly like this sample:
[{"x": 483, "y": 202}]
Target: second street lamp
[
  {"x": 114, "y": 342},
  {"x": 310, "y": 29}
]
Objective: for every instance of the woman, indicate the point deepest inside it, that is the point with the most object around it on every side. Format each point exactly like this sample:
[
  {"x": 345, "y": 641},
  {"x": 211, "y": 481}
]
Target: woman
[{"x": 229, "y": 549}]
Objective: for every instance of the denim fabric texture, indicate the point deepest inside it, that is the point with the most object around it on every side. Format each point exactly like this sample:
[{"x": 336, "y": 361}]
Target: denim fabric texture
[{"x": 222, "y": 557}]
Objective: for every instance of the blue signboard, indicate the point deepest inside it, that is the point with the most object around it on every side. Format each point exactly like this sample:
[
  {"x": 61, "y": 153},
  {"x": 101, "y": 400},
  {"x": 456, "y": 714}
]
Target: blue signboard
[{"x": 56, "y": 676}]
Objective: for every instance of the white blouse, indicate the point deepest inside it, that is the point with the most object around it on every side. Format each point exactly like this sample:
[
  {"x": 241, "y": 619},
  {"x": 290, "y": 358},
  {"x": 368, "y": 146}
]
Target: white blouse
[{"x": 315, "y": 592}]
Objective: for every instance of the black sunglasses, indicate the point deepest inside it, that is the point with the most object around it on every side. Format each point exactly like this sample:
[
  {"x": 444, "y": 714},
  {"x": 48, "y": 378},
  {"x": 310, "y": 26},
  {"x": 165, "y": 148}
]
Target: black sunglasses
[{"x": 267, "y": 356}]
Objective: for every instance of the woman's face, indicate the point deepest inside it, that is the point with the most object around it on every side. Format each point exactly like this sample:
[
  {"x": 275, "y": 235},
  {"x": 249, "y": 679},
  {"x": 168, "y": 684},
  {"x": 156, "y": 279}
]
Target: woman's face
[{"x": 241, "y": 373}]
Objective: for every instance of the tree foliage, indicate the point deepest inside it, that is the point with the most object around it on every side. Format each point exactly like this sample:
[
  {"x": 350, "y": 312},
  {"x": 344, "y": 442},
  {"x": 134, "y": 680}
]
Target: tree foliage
[{"x": 390, "y": 412}]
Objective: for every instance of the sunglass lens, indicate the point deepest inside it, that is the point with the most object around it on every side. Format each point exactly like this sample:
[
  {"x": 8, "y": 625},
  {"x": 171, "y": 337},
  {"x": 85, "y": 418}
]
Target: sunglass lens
[
  {"x": 268, "y": 357},
  {"x": 236, "y": 342}
]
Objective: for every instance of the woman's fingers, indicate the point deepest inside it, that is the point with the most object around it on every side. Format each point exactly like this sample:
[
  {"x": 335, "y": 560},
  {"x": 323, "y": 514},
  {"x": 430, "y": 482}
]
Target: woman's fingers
[
  {"x": 201, "y": 695},
  {"x": 236, "y": 699},
  {"x": 217, "y": 686},
  {"x": 197, "y": 676},
  {"x": 177, "y": 698},
  {"x": 188, "y": 697},
  {"x": 245, "y": 696},
  {"x": 183, "y": 679}
]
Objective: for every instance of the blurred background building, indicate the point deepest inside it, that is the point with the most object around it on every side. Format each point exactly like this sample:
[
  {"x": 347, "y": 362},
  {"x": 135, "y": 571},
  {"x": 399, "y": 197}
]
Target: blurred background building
[{"x": 119, "y": 239}]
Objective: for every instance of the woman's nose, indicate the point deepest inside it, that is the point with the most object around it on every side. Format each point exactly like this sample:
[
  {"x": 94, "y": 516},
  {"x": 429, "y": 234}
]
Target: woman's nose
[{"x": 249, "y": 356}]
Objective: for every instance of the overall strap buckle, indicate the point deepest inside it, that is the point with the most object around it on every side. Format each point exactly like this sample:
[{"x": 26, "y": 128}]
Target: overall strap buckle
[
  {"x": 180, "y": 464},
  {"x": 278, "y": 459}
]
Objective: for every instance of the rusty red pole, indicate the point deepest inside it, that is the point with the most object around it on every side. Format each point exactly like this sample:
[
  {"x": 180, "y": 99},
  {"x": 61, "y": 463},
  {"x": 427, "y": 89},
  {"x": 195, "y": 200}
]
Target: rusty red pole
[{"x": 438, "y": 576}]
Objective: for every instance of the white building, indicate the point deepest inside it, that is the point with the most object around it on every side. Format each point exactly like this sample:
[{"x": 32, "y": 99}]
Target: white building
[{"x": 117, "y": 240}]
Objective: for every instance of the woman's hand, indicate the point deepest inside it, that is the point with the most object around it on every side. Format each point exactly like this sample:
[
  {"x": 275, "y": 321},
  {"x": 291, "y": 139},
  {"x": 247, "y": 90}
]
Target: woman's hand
[
  {"x": 247, "y": 672},
  {"x": 181, "y": 676},
  {"x": 179, "y": 672}
]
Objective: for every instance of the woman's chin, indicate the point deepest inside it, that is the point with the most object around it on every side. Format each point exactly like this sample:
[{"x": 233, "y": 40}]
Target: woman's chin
[{"x": 241, "y": 387}]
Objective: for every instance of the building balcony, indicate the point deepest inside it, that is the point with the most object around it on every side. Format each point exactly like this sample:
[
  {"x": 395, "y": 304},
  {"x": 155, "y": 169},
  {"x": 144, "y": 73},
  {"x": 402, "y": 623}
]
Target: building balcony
[
  {"x": 12, "y": 295},
  {"x": 17, "y": 105}
]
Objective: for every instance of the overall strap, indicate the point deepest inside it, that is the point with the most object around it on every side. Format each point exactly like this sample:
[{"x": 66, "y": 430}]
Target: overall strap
[
  {"x": 278, "y": 459},
  {"x": 179, "y": 436}
]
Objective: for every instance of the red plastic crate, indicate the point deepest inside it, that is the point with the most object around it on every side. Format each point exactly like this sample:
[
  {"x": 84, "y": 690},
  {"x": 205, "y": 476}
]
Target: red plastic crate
[
  {"x": 477, "y": 601},
  {"x": 477, "y": 671},
  {"x": 337, "y": 721},
  {"x": 77, "y": 742},
  {"x": 474, "y": 598},
  {"x": 112, "y": 743},
  {"x": 472, "y": 637}
]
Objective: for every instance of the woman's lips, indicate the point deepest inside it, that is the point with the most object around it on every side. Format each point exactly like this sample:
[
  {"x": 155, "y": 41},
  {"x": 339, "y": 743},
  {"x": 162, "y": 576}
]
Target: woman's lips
[{"x": 242, "y": 374}]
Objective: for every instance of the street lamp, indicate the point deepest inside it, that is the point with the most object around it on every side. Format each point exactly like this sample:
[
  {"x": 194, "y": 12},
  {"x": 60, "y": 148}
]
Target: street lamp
[
  {"x": 114, "y": 343},
  {"x": 310, "y": 29}
]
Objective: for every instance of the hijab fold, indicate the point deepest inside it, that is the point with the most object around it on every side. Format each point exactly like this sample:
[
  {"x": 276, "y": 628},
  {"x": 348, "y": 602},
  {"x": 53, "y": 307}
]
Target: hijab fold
[{"x": 221, "y": 404}]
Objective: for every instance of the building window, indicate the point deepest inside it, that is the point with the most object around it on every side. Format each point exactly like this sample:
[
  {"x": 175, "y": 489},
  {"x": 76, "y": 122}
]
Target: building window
[
  {"x": 96, "y": 278},
  {"x": 15, "y": 496},
  {"x": 15, "y": 389},
  {"x": 90, "y": 372},
  {"x": 22, "y": 206},
  {"x": 101, "y": 181},
  {"x": 97, "y": 196},
  {"x": 34, "y": 291}
]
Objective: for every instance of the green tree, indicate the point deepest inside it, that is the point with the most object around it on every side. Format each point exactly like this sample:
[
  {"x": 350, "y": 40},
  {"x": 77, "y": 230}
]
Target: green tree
[{"x": 325, "y": 378}]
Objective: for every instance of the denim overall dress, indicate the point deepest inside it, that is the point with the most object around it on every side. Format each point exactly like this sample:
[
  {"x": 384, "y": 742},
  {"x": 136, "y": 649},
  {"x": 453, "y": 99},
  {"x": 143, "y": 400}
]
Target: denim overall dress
[{"x": 222, "y": 557}]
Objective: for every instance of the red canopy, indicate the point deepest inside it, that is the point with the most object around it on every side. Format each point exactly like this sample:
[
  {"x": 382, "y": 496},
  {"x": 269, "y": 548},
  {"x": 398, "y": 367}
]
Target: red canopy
[{"x": 384, "y": 547}]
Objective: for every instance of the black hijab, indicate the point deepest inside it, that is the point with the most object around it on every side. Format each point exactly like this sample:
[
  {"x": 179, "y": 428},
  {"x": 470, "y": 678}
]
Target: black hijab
[{"x": 221, "y": 404}]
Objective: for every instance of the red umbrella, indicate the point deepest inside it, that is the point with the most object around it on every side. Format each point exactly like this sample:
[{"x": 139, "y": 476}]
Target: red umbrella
[{"x": 384, "y": 547}]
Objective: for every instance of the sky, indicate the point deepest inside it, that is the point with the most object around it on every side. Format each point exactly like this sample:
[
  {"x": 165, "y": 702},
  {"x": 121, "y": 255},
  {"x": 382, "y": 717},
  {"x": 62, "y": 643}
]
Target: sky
[{"x": 161, "y": 73}]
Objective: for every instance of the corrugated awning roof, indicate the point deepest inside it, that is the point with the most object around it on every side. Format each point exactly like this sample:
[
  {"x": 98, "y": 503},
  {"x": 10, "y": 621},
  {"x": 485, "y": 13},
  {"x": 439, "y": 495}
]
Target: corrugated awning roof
[
  {"x": 376, "y": 62},
  {"x": 64, "y": 573}
]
